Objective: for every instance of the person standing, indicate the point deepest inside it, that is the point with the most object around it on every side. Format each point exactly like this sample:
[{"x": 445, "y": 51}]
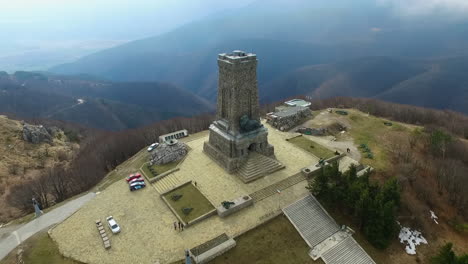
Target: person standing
[{"x": 175, "y": 226}]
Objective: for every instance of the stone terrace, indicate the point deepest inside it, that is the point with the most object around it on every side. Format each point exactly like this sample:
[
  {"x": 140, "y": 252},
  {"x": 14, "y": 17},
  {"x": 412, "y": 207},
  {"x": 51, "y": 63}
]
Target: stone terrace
[{"x": 147, "y": 223}]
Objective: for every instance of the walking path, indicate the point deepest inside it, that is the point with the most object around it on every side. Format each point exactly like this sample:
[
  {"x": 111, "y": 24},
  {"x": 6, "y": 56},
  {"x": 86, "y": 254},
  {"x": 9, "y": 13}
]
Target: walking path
[
  {"x": 279, "y": 186},
  {"x": 55, "y": 216}
]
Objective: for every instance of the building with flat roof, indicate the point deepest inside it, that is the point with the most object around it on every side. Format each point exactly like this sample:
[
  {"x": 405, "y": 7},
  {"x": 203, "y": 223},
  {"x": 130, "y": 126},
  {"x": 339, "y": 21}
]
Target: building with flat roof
[
  {"x": 287, "y": 117},
  {"x": 297, "y": 102}
]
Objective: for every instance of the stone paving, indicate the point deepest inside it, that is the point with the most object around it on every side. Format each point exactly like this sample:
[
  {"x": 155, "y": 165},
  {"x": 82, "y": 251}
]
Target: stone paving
[
  {"x": 273, "y": 189},
  {"x": 148, "y": 234}
]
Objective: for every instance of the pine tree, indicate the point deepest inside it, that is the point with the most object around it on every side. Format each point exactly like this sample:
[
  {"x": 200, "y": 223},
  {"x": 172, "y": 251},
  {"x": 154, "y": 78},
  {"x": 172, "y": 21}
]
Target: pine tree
[{"x": 445, "y": 256}]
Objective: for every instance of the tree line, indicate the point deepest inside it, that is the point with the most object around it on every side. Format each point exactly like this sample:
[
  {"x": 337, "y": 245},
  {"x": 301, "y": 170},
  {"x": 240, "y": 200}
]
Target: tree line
[{"x": 373, "y": 207}]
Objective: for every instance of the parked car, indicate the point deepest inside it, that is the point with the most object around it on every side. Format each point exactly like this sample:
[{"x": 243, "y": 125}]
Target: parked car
[
  {"x": 153, "y": 146},
  {"x": 137, "y": 187},
  {"x": 137, "y": 183},
  {"x": 133, "y": 176},
  {"x": 136, "y": 179},
  {"x": 114, "y": 227}
]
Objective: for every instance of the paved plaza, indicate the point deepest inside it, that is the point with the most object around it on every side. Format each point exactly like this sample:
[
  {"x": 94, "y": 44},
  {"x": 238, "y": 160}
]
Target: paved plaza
[{"x": 148, "y": 234}]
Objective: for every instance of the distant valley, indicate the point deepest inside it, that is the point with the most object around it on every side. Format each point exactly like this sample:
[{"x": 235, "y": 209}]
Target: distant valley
[
  {"x": 94, "y": 103},
  {"x": 371, "y": 52}
]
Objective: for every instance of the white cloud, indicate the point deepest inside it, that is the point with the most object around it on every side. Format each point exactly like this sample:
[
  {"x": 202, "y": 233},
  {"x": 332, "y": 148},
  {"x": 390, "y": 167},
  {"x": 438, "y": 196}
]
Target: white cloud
[{"x": 427, "y": 7}]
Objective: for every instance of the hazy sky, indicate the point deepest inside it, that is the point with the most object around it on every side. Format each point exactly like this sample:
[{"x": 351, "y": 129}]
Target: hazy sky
[
  {"x": 38, "y": 33},
  {"x": 428, "y": 7},
  {"x": 35, "y": 34},
  {"x": 115, "y": 19}
]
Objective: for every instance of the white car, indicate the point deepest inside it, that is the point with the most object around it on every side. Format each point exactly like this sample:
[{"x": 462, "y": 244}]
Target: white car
[
  {"x": 114, "y": 227},
  {"x": 153, "y": 146}
]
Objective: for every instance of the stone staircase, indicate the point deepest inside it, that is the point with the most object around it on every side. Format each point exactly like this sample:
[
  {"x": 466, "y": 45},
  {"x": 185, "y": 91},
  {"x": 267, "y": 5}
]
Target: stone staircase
[
  {"x": 167, "y": 183},
  {"x": 256, "y": 166}
]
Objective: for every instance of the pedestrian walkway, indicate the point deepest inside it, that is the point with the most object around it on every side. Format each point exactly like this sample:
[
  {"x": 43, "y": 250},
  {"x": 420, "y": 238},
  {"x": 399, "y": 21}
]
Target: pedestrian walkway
[
  {"x": 55, "y": 216},
  {"x": 281, "y": 185}
]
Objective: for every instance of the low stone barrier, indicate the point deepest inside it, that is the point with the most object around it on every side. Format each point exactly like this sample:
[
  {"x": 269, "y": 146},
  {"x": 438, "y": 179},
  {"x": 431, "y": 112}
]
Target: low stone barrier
[
  {"x": 212, "y": 249},
  {"x": 239, "y": 203},
  {"x": 162, "y": 175}
]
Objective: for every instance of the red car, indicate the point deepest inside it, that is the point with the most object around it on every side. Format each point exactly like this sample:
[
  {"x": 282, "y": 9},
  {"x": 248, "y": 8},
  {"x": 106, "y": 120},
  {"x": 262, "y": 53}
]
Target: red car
[
  {"x": 133, "y": 176},
  {"x": 136, "y": 180}
]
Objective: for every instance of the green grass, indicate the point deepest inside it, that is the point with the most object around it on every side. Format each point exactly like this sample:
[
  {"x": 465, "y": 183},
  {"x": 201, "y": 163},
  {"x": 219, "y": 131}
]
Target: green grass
[
  {"x": 39, "y": 249},
  {"x": 316, "y": 149},
  {"x": 159, "y": 169},
  {"x": 191, "y": 198},
  {"x": 275, "y": 242},
  {"x": 371, "y": 131}
]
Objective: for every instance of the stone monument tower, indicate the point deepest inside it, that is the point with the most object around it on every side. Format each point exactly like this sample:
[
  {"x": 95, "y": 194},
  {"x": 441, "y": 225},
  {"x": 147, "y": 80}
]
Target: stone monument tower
[{"x": 237, "y": 130}]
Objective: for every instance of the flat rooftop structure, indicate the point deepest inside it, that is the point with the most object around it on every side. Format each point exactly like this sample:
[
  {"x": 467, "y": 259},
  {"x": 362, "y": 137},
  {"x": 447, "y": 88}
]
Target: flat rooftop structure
[
  {"x": 297, "y": 102},
  {"x": 347, "y": 251},
  {"x": 237, "y": 56},
  {"x": 287, "y": 111}
]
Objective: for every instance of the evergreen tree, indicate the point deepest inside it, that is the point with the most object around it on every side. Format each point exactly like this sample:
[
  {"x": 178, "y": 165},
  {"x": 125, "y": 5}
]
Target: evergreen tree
[{"x": 445, "y": 256}]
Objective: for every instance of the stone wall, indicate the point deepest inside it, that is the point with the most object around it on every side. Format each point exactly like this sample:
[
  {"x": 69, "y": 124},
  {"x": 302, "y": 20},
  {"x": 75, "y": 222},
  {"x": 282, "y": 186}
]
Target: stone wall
[
  {"x": 285, "y": 122},
  {"x": 237, "y": 90},
  {"x": 239, "y": 203}
]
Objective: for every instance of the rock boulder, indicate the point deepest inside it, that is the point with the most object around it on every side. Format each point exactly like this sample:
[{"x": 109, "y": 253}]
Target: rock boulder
[
  {"x": 169, "y": 152},
  {"x": 36, "y": 134}
]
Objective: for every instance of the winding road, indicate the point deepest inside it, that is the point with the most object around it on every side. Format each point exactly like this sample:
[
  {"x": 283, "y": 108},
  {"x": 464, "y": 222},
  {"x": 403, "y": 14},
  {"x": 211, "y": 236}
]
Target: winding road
[{"x": 57, "y": 215}]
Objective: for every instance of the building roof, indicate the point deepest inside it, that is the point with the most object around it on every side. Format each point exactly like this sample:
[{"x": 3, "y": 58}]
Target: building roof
[
  {"x": 297, "y": 102},
  {"x": 288, "y": 111}
]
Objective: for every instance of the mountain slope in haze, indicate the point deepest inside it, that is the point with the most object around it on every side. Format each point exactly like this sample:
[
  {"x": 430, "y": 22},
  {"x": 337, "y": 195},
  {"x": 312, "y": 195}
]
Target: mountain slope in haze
[
  {"x": 436, "y": 83},
  {"x": 284, "y": 37},
  {"x": 100, "y": 104}
]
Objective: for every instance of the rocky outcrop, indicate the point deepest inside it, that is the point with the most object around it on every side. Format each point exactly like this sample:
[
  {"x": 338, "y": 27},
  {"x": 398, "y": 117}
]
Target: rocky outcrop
[
  {"x": 36, "y": 134},
  {"x": 169, "y": 151}
]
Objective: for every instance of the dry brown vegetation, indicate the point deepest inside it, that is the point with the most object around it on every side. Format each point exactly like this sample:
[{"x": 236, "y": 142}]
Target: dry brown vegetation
[
  {"x": 22, "y": 162},
  {"x": 99, "y": 153}
]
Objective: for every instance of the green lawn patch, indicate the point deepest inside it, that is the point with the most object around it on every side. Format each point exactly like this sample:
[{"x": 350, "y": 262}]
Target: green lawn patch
[
  {"x": 275, "y": 242},
  {"x": 158, "y": 169},
  {"x": 371, "y": 132},
  {"x": 39, "y": 249},
  {"x": 190, "y": 197},
  {"x": 308, "y": 145}
]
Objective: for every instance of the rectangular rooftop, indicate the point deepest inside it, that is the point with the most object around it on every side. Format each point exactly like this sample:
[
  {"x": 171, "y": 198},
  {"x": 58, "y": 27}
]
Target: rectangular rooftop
[{"x": 237, "y": 56}]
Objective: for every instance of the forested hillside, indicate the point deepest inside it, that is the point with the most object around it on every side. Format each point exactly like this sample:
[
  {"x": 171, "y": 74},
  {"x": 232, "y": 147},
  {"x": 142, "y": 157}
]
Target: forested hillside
[
  {"x": 435, "y": 83},
  {"x": 344, "y": 48},
  {"x": 94, "y": 103}
]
